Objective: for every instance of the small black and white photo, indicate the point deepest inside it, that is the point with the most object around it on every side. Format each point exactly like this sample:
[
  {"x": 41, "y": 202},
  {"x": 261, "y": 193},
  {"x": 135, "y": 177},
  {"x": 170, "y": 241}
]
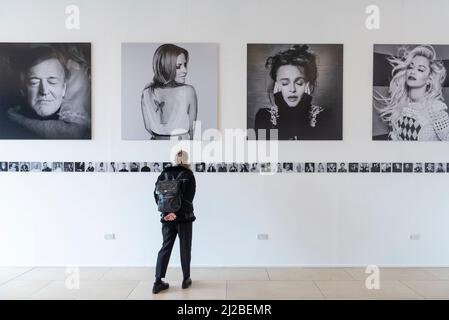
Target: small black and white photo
[
  {"x": 200, "y": 167},
  {"x": 353, "y": 167},
  {"x": 112, "y": 166},
  {"x": 211, "y": 167},
  {"x": 69, "y": 167},
  {"x": 331, "y": 167},
  {"x": 57, "y": 167},
  {"x": 397, "y": 167},
  {"x": 90, "y": 167},
  {"x": 24, "y": 167},
  {"x": 410, "y": 88},
  {"x": 278, "y": 168},
  {"x": 169, "y": 90},
  {"x": 375, "y": 167},
  {"x": 342, "y": 167},
  {"x": 222, "y": 167},
  {"x": 385, "y": 167},
  {"x": 80, "y": 167},
  {"x": 321, "y": 167},
  {"x": 299, "y": 167},
  {"x": 254, "y": 168},
  {"x": 123, "y": 166},
  {"x": 265, "y": 167},
  {"x": 287, "y": 167},
  {"x": 45, "y": 91},
  {"x": 364, "y": 167},
  {"x": 145, "y": 167},
  {"x": 295, "y": 90},
  {"x": 244, "y": 167},
  {"x": 13, "y": 166},
  {"x": 156, "y": 167},
  {"x": 35, "y": 167},
  {"x": 309, "y": 167},
  {"x": 407, "y": 167},
  {"x": 47, "y": 166},
  {"x": 417, "y": 167},
  {"x": 429, "y": 167},
  {"x": 134, "y": 166},
  {"x": 440, "y": 167},
  {"x": 100, "y": 167},
  {"x": 3, "y": 166},
  {"x": 233, "y": 167}
]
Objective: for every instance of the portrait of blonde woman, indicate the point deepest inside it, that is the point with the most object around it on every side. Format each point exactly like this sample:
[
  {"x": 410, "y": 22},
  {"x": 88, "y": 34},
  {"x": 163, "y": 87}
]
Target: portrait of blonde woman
[{"x": 408, "y": 98}]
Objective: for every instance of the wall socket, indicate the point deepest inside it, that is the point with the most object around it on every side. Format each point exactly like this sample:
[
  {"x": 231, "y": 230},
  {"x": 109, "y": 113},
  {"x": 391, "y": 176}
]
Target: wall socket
[
  {"x": 415, "y": 236},
  {"x": 109, "y": 236},
  {"x": 262, "y": 236}
]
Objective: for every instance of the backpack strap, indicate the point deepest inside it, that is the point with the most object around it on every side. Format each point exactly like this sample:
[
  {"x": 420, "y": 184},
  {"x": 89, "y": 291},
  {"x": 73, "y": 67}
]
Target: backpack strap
[{"x": 167, "y": 177}]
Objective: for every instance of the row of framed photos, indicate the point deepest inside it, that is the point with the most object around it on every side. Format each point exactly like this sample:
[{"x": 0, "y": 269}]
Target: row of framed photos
[
  {"x": 202, "y": 167},
  {"x": 167, "y": 89}
]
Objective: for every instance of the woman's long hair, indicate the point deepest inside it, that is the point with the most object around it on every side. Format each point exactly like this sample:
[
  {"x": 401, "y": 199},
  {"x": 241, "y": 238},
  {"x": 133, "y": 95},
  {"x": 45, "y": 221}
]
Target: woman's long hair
[
  {"x": 164, "y": 66},
  {"x": 398, "y": 90}
]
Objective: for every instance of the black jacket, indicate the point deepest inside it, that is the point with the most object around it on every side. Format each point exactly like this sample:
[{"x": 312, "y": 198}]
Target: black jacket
[
  {"x": 294, "y": 123},
  {"x": 185, "y": 214}
]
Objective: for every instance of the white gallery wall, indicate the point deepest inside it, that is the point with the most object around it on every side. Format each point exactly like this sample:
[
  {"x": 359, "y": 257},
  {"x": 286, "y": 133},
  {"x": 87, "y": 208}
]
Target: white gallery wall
[{"x": 60, "y": 219}]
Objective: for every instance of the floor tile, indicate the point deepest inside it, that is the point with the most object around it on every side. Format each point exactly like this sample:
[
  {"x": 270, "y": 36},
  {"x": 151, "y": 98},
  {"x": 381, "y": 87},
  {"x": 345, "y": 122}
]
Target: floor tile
[
  {"x": 229, "y": 274},
  {"x": 272, "y": 290},
  {"x": 98, "y": 290},
  {"x": 440, "y": 273},
  {"x": 308, "y": 274},
  {"x": 9, "y": 273},
  {"x": 430, "y": 289},
  {"x": 357, "y": 290},
  {"x": 19, "y": 289},
  {"x": 406, "y": 274},
  {"x": 140, "y": 274},
  {"x": 62, "y": 273}
]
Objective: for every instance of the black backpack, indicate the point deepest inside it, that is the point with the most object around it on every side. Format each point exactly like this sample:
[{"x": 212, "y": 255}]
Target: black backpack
[{"x": 169, "y": 194}]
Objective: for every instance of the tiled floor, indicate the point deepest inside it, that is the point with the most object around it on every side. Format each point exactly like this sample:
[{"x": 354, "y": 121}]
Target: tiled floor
[{"x": 223, "y": 283}]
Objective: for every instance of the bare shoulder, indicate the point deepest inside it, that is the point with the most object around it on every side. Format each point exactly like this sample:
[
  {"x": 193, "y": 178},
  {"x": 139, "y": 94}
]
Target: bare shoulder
[{"x": 190, "y": 93}]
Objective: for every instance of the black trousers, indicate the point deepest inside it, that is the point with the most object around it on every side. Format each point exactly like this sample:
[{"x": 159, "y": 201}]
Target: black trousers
[{"x": 169, "y": 232}]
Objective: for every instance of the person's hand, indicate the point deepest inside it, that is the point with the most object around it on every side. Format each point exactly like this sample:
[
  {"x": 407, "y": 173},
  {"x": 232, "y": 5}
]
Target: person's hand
[
  {"x": 14, "y": 114},
  {"x": 170, "y": 217},
  {"x": 277, "y": 87},
  {"x": 307, "y": 89}
]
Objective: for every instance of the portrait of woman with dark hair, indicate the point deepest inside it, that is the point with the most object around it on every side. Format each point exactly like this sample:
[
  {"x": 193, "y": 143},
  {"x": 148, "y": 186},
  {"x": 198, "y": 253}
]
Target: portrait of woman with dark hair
[{"x": 292, "y": 111}]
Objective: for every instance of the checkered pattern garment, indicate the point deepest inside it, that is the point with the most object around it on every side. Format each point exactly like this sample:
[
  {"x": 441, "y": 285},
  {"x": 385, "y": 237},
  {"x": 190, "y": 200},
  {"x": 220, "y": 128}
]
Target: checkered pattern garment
[{"x": 421, "y": 121}]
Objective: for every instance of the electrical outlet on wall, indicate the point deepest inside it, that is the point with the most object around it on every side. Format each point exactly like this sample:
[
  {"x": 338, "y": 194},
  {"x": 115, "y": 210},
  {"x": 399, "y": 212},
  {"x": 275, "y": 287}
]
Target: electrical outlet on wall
[
  {"x": 262, "y": 236},
  {"x": 415, "y": 236},
  {"x": 109, "y": 236}
]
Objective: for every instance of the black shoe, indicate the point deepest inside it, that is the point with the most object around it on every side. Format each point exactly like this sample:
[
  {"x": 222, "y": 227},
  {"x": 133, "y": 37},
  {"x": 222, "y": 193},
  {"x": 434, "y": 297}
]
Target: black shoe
[
  {"x": 186, "y": 283},
  {"x": 158, "y": 287}
]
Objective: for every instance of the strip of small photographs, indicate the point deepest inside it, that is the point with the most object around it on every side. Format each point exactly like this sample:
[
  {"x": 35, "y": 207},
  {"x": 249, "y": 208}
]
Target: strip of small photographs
[{"x": 222, "y": 167}]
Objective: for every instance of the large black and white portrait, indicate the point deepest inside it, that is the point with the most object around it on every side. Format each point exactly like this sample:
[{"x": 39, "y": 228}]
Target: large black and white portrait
[
  {"x": 410, "y": 88},
  {"x": 168, "y": 90},
  {"x": 45, "y": 91},
  {"x": 295, "y": 91}
]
